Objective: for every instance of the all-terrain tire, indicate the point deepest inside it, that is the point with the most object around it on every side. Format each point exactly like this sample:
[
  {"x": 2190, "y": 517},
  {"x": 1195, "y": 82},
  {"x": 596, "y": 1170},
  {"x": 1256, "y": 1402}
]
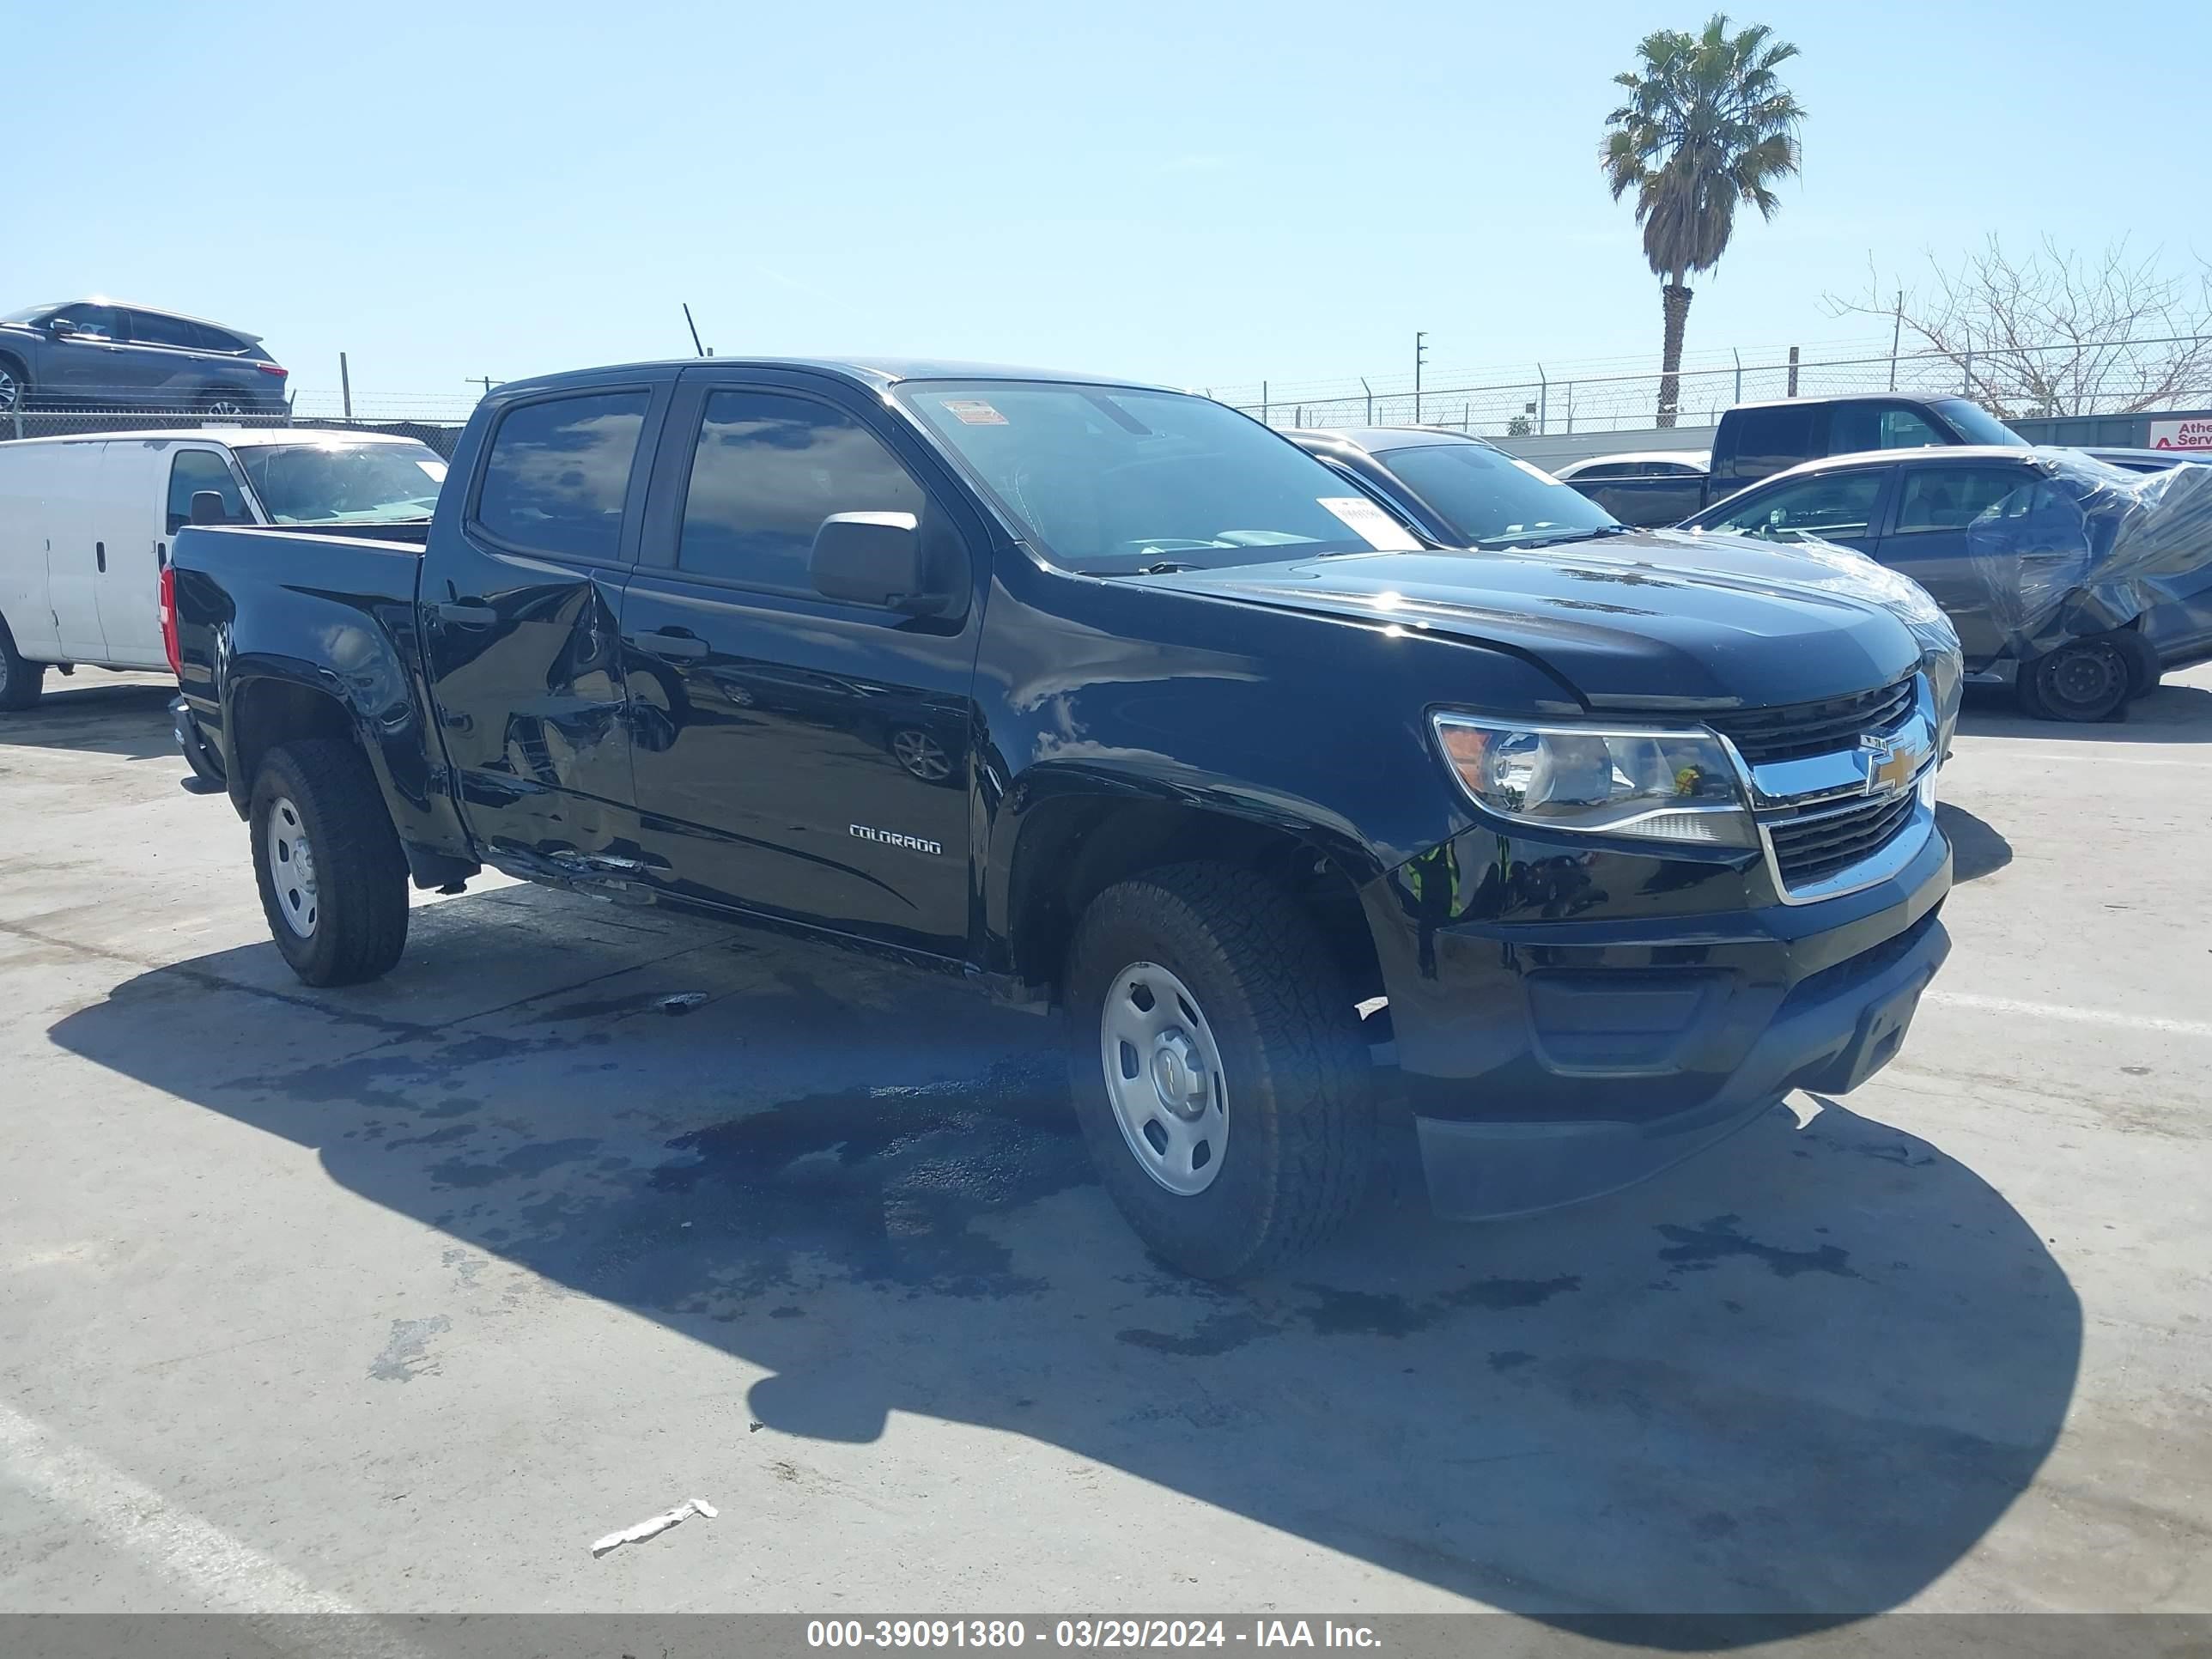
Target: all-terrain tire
[
  {"x": 348, "y": 922},
  {"x": 21, "y": 682},
  {"x": 1299, "y": 1106}
]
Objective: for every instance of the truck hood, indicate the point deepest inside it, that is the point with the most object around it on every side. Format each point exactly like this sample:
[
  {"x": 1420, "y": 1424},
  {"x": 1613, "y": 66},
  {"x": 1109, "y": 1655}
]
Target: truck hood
[{"x": 1665, "y": 620}]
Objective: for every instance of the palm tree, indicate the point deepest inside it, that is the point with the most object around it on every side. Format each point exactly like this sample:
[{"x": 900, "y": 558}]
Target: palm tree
[{"x": 1708, "y": 124}]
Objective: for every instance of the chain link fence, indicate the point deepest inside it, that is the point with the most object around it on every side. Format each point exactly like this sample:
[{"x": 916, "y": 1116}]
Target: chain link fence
[
  {"x": 431, "y": 419},
  {"x": 2015, "y": 382}
]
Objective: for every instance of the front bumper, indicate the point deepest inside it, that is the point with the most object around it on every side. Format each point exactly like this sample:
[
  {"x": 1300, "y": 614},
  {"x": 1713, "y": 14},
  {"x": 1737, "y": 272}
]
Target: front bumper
[{"x": 1550, "y": 1061}]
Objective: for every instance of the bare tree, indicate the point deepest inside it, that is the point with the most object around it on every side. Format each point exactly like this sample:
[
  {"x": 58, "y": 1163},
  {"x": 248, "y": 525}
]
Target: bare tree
[{"x": 2056, "y": 333}]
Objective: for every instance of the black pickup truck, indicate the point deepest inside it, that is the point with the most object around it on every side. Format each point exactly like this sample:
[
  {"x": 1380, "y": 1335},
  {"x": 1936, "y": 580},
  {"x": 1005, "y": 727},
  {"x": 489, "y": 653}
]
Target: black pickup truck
[
  {"x": 1130, "y": 711},
  {"x": 1757, "y": 441}
]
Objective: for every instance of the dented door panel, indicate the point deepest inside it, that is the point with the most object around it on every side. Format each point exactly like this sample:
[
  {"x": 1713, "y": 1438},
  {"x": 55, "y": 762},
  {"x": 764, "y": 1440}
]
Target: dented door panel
[{"x": 523, "y": 647}]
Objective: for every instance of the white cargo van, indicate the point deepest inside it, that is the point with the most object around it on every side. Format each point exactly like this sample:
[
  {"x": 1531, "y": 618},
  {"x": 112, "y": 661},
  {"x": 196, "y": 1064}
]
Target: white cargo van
[{"x": 85, "y": 525}]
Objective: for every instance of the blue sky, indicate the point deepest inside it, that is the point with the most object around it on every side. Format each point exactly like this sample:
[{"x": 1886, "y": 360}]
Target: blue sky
[{"x": 1206, "y": 194}]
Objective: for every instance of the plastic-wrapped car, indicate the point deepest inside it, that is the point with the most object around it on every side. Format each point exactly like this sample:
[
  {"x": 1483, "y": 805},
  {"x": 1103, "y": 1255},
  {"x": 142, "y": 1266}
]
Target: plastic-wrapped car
[{"x": 2077, "y": 582}]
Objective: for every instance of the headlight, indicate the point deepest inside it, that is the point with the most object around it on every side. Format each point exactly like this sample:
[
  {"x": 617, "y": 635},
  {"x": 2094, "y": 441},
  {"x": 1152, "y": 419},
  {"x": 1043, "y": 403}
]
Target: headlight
[{"x": 1653, "y": 784}]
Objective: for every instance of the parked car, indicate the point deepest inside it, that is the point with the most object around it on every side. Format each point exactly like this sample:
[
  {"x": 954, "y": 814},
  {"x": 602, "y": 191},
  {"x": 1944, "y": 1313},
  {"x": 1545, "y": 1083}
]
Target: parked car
[
  {"x": 1642, "y": 487},
  {"x": 86, "y": 523},
  {"x": 97, "y": 354},
  {"x": 2047, "y": 520},
  {"x": 1458, "y": 491},
  {"x": 1281, "y": 808}
]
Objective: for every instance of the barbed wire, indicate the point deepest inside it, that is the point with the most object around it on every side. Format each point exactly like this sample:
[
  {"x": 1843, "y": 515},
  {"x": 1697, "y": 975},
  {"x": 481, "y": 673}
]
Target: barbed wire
[{"x": 1577, "y": 399}]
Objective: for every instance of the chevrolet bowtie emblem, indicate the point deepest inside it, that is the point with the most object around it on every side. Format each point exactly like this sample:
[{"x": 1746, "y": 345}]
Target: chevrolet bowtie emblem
[{"x": 1890, "y": 765}]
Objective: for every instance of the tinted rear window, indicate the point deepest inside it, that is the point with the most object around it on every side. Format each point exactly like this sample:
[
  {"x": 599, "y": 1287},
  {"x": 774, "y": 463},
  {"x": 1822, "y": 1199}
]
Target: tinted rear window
[
  {"x": 558, "y": 474},
  {"x": 1768, "y": 439}
]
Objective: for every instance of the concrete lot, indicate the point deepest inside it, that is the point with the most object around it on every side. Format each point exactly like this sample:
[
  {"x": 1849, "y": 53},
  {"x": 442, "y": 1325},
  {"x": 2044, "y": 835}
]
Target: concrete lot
[{"x": 398, "y": 1297}]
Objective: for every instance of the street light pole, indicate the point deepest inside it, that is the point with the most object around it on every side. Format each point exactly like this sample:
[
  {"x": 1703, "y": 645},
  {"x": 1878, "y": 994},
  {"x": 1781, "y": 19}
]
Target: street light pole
[{"x": 1420, "y": 356}]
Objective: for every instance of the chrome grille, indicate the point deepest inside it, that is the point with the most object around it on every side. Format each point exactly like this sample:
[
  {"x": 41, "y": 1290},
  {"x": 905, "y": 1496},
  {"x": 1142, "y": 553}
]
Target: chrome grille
[
  {"x": 1795, "y": 731},
  {"x": 1812, "y": 844}
]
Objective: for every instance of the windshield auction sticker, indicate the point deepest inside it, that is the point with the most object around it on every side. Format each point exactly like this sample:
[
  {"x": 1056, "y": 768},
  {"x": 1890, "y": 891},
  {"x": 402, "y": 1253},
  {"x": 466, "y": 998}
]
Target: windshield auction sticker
[
  {"x": 1377, "y": 528},
  {"x": 973, "y": 411}
]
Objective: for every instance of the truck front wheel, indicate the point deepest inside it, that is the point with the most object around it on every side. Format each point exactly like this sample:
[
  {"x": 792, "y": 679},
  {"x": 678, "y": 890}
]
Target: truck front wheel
[
  {"x": 333, "y": 880},
  {"x": 1218, "y": 1075}
]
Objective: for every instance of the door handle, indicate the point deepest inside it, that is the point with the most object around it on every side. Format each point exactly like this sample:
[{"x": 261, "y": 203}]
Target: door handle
[
  {"x": 99, "y": 555},
  {"x": 467, "y": 614},
  {"x": 662, "y": 642}
]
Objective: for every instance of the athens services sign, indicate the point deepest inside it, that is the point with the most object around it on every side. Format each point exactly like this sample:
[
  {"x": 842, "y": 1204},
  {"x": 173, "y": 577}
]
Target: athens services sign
[{"x": 2181, "y": 434}]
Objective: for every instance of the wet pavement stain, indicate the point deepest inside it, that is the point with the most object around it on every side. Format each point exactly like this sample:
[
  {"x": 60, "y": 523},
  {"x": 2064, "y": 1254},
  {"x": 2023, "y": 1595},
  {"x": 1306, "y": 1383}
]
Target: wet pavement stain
[
  {"x": 407, "y": 1356},
  {"x": 1366, "y": 1313},
  {"x": 531, "y": 1160},
  {"x": 597, "y": 1009},
  {"x": 446, "y": 1137},
  {"x": 1693, "y": 1249},
  {"x": 1217, "y": 1334},
  {"x": 879, "y": 1185}
]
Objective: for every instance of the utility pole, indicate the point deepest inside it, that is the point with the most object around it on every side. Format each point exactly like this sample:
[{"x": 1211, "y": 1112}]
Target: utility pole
[
  {"x": 345, "y": 387},
  {"x": 1896, "y": 333},
  {"x": 483, "y": 381},
  {"x": 1420, "y": 356}
]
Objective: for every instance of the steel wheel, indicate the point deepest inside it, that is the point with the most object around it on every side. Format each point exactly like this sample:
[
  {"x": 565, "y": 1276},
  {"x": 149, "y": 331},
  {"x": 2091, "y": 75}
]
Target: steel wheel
[
  {"x": 2084, "y": 680},
  {"x": 1163, "y": 1075},
  {"x": 226, "y": 407},
  {"x": 922, "y": 755},
  {"x": 292, "y": 868}
]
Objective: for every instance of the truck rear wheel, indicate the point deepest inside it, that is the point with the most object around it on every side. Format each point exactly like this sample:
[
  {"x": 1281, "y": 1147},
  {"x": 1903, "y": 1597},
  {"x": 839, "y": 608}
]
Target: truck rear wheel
[
  {"x": 333, "y": 880},
  {"x": 1218, "y": 1075},
  {"x": 21, "y": 682}
]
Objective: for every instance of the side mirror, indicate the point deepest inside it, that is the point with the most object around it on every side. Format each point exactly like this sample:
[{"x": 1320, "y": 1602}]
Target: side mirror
[
  {"x": 870, "y": 558},
  {"x": 208, "y": 509},
  {"x": 60, "y": 327}
]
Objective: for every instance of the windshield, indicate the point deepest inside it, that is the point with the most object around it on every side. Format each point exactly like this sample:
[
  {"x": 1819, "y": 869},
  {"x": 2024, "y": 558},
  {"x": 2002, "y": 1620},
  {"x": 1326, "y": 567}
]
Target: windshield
[
  {"x": 1111, "y": 481},
  {"x": 1977, "y": 425},
  {"x": 1488, "y": 496},
  {"x": 343, "y": 482},
  {"x": 28, "y": 314}
]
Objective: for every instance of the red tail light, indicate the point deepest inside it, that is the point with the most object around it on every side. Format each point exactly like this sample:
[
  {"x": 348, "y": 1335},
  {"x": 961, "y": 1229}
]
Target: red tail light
[
  {"x": 271, "y": 368},
  {"x": 169, "y": 620}
]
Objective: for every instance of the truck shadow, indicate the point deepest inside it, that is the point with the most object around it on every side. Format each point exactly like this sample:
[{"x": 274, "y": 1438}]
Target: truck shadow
[
  {"x": 1976, "y": 848},
  {"x": 98, "y": 715},
  {"x": 1802, "y": 1376}
]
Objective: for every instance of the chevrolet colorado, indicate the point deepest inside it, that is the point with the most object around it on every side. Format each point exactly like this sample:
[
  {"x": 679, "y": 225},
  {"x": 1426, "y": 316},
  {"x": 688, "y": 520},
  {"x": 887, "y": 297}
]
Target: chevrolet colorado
[{"x": 1129, "y": 710}]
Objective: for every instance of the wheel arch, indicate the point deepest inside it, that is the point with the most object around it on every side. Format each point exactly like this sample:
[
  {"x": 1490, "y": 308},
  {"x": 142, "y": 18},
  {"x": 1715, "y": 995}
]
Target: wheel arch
[
  {"x": 1066, "y": 847},
  {"x": 267, "y": 710}
]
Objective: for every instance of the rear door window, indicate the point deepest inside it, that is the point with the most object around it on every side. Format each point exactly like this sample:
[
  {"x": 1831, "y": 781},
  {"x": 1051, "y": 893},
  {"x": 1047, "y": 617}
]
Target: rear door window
[
  {"x": 195, "y": 470},
  {"x": 151, "y": 328},
  {"x": 1856, "y": 428},
  {"x": 557, "y": 477},
  {"x": 1953, "y": 497}
]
